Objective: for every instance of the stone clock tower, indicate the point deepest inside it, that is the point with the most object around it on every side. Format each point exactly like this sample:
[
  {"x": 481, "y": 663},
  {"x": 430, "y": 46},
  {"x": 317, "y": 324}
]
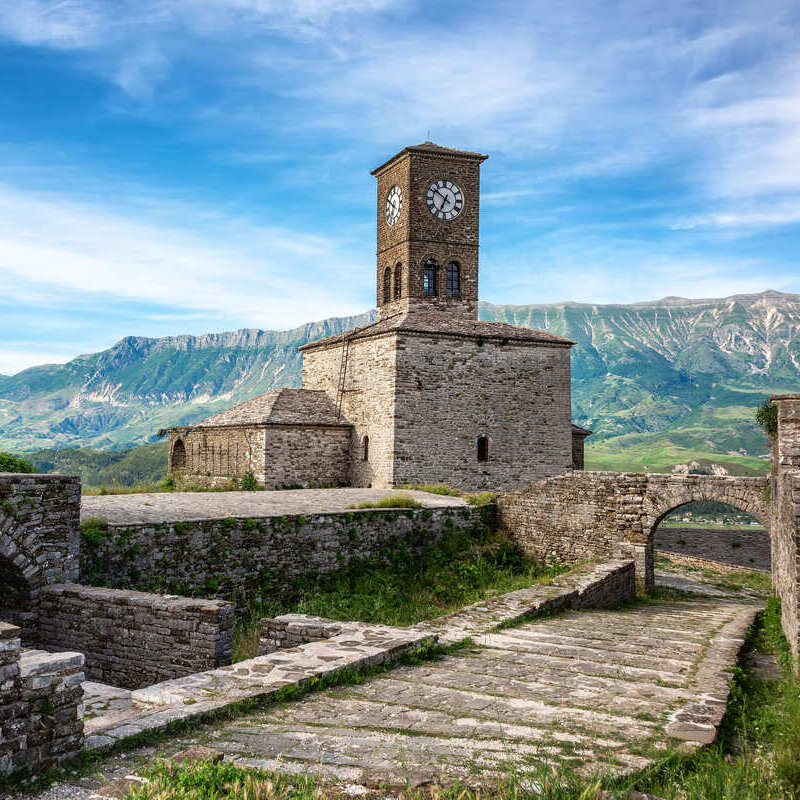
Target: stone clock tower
[{"x": 428, "y": 213}]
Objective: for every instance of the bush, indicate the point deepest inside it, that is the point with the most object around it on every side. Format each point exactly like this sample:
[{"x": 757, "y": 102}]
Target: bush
[
  {"x": 767, "y": 417},
  {"x": 482, "y": 498},
  {"x": 391, "y": 501},
  {"x": 11, "y": 463},
  {"x": 249, "y": 482}
]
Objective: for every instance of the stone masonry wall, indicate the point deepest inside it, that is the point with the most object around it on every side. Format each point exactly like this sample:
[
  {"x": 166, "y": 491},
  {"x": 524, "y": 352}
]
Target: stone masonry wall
[
  {"x": 748, "y": 549},
  {"x": 452, "y": 390},
  {"x": 40, "y": 705},
  {"x": 278, "y": 455},
  {"x": 786, "y": 530},
  {"x": 132, "y": 639},
  {"x": 38, "y": 541},
  {"x": 238, "y": 559},
  {"x": 614, "y": 514},
  {"x": 368, "y": 402}
]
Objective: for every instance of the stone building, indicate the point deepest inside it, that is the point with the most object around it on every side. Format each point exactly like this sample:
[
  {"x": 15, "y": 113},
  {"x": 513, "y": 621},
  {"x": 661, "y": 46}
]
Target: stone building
[{"x": 427, "y": 393}]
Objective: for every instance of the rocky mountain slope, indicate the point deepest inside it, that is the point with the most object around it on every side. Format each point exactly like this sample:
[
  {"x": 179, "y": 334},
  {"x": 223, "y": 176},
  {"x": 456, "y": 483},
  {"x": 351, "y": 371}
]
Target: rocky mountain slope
[{"x": 669, "y": 381}]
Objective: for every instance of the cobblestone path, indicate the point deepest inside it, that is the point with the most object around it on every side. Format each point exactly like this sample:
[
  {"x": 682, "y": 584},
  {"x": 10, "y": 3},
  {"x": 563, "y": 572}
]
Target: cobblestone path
[{"x": 603, "y": 690}]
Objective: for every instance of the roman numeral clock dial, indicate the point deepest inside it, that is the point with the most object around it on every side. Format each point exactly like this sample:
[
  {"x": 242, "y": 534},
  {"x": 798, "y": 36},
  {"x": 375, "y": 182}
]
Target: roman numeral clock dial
[
  {"x": 444, "y": 199},
  {"x": 394, "y": 204}
]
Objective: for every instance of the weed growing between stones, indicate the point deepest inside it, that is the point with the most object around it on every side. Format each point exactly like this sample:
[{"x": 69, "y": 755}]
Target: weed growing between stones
[
  {"x": 392, "y": 501},
  {"x": 404, "y": 589}
]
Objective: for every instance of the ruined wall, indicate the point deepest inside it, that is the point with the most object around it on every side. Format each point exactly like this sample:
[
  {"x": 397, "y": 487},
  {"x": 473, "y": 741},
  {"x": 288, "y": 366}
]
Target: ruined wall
[
  {"x": 368, "y": 402},
  {"x": 278, "y": 455},
  {"x": 132, "y": 639},
  {"x": 581, "y": 515},
  {"x": 734, "y": 549},
  {"x": 452, "y": 390},
  {"x": 39, "y": 541},
  {"x": 786, "y": 529},
  {"x": 238, "y": 559},
  {"x": 40, "y": 705}
]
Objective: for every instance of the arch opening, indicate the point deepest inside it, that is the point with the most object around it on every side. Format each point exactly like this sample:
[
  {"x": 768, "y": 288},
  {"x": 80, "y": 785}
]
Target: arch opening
[
  {"x": 17, "y": 599},
  {"x": 179, "y": 455},
  {"x": 398, "y": 281},
  {"x": 387, "y": 285},
  {"x": 704, "y": 540}
]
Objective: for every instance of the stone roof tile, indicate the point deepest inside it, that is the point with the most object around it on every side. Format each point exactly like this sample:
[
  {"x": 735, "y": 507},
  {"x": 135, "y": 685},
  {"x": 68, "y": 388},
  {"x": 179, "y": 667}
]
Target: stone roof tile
[
  {"x": 280, "y": 407},
  {"x": 443, "y": 325}
]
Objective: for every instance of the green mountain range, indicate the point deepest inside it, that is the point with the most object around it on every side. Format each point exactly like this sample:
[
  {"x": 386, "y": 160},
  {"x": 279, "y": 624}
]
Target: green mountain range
[{"x": 661, "y": 383}]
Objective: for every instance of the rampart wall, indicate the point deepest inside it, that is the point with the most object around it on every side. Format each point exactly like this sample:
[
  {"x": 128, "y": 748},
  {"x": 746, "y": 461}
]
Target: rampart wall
[{"x": 239, "y": 558}]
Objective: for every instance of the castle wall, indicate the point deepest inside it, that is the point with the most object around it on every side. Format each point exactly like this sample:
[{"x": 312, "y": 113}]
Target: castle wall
[
  {"x": 368, "y": 402},
  {"x": 239, "y": 559},
  {"x": 132, "y": 639},
  {"x": 277, "y": 455},
  {"x": 451, "y": 390}
]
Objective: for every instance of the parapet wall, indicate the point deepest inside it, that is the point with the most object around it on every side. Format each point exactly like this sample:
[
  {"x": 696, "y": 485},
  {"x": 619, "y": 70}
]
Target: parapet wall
[
  {"x": 40, "y": 705},
  {"x": 239, "y": 559},
  {"x": 132, "y": 639}
]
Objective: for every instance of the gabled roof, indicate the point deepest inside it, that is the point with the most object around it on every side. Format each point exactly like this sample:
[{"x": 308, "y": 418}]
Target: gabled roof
[
  {"x": 578, "y": 431},
  {"x": 436, "y": 149},
  {"x": 280, "y": 407},
  {"x": 423, "y": 322}
]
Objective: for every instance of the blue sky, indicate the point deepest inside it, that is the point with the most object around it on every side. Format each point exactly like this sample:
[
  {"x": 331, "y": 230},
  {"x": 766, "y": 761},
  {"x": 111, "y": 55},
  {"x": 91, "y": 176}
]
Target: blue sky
[{"x": 184, "y": 166}]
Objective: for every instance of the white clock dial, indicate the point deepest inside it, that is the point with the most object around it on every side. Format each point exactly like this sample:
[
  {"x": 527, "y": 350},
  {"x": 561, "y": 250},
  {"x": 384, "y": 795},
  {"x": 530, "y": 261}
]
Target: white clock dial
[
  {"x": 444, "y": 199},
  {"x": 394, "y": 204}
]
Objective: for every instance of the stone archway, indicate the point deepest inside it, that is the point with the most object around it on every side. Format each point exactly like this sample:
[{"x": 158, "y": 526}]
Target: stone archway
[{"x": 20, "y": 583}]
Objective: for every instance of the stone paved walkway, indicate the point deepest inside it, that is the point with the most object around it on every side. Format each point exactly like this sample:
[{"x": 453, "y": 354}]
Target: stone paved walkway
[
  {"x": 601, "y": 690},
  {"x": 129, "y": 509}
]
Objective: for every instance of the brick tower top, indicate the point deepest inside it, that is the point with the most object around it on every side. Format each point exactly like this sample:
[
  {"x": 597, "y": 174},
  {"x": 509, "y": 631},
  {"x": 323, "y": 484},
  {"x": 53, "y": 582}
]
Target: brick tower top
[{"x": 428, "y": 216}]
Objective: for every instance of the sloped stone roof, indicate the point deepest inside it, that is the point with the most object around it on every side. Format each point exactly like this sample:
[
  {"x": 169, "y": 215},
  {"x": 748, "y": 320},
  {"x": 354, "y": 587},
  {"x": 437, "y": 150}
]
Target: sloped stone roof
[
  {"x": 576, "y": 429},
  {"x": 280, "y": 407},
  {"x": 436, "y": 149},
  {"x": 444, "y": 325}
]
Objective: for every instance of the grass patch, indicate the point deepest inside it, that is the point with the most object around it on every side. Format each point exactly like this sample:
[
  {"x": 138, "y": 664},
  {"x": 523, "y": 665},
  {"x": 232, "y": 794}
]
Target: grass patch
[
  {"x": 461, "y": 568},
  {"x": 433, "y": 488},
  {"x": 734, "y": 580},
  {"x": 391, "y": 501}
]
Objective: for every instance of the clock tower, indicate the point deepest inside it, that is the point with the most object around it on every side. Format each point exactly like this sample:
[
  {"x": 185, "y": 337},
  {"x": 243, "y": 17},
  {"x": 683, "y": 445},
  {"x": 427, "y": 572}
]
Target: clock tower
[{"x": 428, "y": 213}]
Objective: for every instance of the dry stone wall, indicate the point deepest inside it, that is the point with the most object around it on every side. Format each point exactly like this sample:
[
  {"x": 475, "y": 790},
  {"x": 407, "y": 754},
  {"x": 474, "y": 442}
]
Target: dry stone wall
[
  {"x": 239, "y": 558},
  {"x": 132, "y": 639},
  {"x": 38, "y": 541},
  {"x": 40, "y": 705},
  {"x": 732, "y": 549}
]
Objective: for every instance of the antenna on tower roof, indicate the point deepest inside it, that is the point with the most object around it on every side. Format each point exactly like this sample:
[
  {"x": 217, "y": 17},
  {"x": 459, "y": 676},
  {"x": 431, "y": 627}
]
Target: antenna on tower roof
[{"x": 429, "y": 135}]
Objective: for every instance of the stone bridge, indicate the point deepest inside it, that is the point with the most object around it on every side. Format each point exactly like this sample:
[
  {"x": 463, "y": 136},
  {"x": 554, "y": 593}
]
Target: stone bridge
[{"x": 582, "y": 515}]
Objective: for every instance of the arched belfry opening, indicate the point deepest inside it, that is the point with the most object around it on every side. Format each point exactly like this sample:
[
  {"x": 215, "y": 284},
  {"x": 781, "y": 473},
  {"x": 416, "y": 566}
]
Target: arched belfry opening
[
  {"x": 482, "y": 447},
  {"x": 178, "y": 455},
  {"x": 398, "y": 281},
  {"x": 709, "y": 534}
]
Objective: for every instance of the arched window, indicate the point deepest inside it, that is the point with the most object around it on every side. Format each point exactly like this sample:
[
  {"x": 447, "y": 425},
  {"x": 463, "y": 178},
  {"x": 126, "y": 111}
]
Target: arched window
[
  {"x": 453, "y": 279},
  {"x": 483, "y": 448},
  {"x": 179, "y": 455},
  {"x": 365, "y": 449},
  {"x": 398, "y": 281},
  {"x": 429, "y": 271},
  {"x": 387, "y": 285}
]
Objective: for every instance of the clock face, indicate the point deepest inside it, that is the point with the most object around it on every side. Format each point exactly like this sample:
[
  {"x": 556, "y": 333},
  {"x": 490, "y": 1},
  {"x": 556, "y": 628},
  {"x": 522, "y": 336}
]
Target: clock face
[
  {"x": 394, "y": 204},
  {"x": 444, "y": 199}
]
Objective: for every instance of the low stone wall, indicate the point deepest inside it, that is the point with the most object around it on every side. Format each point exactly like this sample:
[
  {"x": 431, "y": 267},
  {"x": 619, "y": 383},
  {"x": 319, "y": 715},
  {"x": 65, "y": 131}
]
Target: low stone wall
[
  {"x": 731, "y": 549},
  {"x": 40, "y": 705},
  {"x": 238, "y": 558},
  {"x": 592, "y": 586},
  {"x": 132, "y": 639}
]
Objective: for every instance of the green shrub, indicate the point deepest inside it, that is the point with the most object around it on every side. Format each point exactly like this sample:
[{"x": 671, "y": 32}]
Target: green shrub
[
  {"x": 767, "y": 417},
  {"x": 482, "y": 498},
  {"x": 433, "y": 488},
  {"x": 249, "y": 482},
  {"x": 11, "y": 463}
]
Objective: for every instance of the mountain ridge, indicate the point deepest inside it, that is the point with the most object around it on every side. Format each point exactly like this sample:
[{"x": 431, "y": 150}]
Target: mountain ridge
[{"x": 686, "y": 371}]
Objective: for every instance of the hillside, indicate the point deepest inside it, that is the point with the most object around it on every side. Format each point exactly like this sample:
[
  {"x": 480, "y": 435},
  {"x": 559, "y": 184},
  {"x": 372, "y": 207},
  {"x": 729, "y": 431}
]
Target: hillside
[{"x": 660, "y": 383}]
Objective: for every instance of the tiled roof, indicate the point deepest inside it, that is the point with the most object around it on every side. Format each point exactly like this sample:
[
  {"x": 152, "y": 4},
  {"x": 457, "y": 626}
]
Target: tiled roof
[
  {"x": 444, "y": 325},
  {"x": 432, "y": 147},
  {"x": 582, "y": 431},
  {"x": 280, "y": 407}
]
